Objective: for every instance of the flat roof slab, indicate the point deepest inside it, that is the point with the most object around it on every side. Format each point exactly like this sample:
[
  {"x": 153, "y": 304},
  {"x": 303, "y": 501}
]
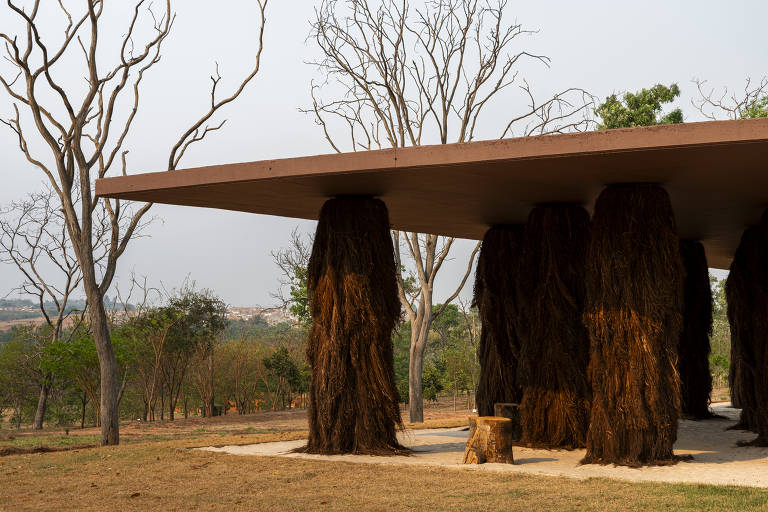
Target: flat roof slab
[{"x": 716, "y": 174}]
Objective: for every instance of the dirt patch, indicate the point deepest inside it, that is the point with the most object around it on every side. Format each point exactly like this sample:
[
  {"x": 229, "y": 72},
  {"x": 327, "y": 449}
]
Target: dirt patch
[{"x": 23, "y": 450}]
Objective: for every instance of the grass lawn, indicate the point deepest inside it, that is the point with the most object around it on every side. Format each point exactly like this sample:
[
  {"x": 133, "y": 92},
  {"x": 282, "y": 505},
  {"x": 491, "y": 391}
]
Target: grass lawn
[
  {"x": 156, "y": 469},
  {"x": 168, "y": 475}
]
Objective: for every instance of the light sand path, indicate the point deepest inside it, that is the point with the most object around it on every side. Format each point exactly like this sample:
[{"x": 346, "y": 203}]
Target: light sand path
[{"x": 717, "y": 459}]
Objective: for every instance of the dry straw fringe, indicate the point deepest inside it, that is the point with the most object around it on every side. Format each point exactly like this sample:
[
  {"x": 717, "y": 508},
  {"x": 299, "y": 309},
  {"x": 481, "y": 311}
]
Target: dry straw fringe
[
  {"x": 761, "y": 341},
  {"x": 554, "y": 352},
  {"x": 694, "y": 349},
  {"x": 354, "y": 404},
  {"x": 633, "y": 315},
  {"x": 745, "y": 302},
  {"x": 498, "y": 350}
]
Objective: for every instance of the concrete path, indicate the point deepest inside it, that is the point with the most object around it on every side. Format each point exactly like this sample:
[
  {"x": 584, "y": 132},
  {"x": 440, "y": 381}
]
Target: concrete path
[{"x": 716, "y": 458}]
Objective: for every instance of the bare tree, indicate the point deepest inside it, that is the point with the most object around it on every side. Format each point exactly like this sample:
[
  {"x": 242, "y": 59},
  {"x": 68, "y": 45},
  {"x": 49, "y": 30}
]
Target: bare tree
[
  {"x": 402, "y": 76},
  {"x": 293, "y": 261},
  {"x": 33, "y": 238},
  {"x": 751, "y": 101},
  {"x": 83, "y": 132}
]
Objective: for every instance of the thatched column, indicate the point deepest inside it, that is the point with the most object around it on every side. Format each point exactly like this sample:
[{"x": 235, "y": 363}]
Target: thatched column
[
  {"x": 694, "y": 349},
  {"x": 554, "y": 346},
  {"x": 354, "y": 304},
  {"x": 743, "y": 297},
  {"x": 634, "y": 318},
  {"x": 747, "y": 295},
  {"x": 760, "y": 417},
  {"x": 495, "y": 300}
]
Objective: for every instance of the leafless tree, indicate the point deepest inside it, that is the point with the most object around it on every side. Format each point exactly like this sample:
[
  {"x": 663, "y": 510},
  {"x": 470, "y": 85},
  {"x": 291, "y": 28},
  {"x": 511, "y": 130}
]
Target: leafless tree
[
  {"x": 83, "y": 129},
  {"x": 398, "y": 76},
  {"x": 293, "y": 261},
  {"x": 714, "y": 104},
  {"x": 33, "y": 238}
]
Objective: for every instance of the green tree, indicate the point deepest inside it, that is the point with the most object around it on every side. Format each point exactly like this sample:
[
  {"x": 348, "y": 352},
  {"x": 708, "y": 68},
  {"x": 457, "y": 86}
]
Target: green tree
[
  {"x": 18, "y": 371},
  {"x": 293, "y": 262},
  {"x": 720, "y": 340},
  {"x": 284, "y": 378},
  {"x": 203, "y": 317},
  {"x": 756, "y": 109},
  {"x": 432, "y": 381},
  {"x": 639, "y": 109}
]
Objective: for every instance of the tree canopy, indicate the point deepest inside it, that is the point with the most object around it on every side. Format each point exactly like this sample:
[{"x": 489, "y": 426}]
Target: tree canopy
[{"x": 643, "y": 108}]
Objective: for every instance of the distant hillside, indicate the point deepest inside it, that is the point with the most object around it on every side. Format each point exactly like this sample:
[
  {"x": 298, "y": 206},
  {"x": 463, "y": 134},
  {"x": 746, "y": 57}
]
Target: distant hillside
[{"x": 17, "y": 314}]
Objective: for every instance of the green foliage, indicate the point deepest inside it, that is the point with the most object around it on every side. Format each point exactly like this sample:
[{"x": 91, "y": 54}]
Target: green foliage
[
  {"x": 17, "y": 377},
  {"x": 198, "y": 318},
  {"x": 639, "y": 109},
  {"x": 720, "y": 340},
  {"x": 432, "y": 382},
  {"x": 285, "y": 376},
  {"x": 299, "y": 296},
  {"x": 756, "y": 109}
]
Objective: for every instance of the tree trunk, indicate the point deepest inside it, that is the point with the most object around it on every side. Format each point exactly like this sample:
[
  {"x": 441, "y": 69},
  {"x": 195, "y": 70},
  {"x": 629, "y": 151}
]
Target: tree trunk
[
  {"x": 42, "y": 403},
  {"x": 490, "y": 440},
  {"x": 84, "y": 402},
  {"x": 419, "y": 333},
  {"x": 110, "y": 380}
]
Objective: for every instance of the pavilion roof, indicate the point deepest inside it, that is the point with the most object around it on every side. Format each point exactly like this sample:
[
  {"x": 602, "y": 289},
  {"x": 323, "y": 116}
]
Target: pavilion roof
[{"x": 716, "y": 174}]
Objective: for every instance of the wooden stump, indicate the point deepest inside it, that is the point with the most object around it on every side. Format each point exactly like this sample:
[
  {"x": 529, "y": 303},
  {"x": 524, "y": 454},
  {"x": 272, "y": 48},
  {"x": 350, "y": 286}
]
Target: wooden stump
[
  {"x": 511, "y": 411},
  {"x": 490, "y": 440}
]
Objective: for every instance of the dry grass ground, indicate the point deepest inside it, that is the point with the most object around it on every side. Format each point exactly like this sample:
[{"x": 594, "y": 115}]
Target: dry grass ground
[{"x": 155, "y": 469}]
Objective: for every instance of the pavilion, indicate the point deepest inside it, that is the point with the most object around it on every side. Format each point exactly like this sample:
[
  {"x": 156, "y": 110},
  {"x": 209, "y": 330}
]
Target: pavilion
[{"x": 643, "y": 189}]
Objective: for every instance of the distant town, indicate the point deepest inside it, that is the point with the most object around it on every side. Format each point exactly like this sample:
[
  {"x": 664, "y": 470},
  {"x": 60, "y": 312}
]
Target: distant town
[{"x": 15, "y": 313}]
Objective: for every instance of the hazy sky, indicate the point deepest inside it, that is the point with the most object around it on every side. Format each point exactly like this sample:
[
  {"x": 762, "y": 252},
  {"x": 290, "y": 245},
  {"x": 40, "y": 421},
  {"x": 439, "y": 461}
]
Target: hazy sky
[{"x": 600, "y": 45}]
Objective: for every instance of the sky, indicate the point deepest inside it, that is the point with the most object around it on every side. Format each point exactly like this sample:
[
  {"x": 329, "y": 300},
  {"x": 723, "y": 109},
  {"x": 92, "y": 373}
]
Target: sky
[{"x": 602, "y": 46}]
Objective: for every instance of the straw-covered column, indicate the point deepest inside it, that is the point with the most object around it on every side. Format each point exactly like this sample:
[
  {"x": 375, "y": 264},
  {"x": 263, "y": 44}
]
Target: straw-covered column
[
  {"x": 554, "y": 346},
  {"x": 354, "y": 304},
  {"x": 694, "y": 349},
  {"x": 633, "y": 315},
  {"x": 744, "y": 297},
  {"x": 498, "y": 349},
  {"x": 747, "y": 294}
]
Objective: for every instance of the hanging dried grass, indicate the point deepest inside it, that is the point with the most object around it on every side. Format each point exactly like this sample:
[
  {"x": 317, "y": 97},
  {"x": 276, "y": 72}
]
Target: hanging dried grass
[
  {"x": 744, "y": 297},
  {"x": 554, "y": 353},
  {"x": 760, "y": 375},
  {"x": 694, "y": 349},
  {"x": 633, "y": 315},
  {"x": 498, "y": 350},
  {"x": 353, "y": 289}
]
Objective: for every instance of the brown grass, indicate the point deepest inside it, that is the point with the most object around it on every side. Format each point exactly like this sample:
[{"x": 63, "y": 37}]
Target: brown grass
[
  {"x": 170, "y": 476},
  {"x": 499, "y": 347},
  {"x": 355, "y": 307},
  {"x": 554, "y": 346},
  {"x": 694, "y": 349},
  {"x": 634, "y": 318}
]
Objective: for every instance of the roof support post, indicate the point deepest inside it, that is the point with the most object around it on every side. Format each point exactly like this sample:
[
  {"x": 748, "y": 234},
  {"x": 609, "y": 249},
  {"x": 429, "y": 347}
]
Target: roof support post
[
  {"x": 354, "y": 404},
  {"x": 554, "y": 412},
  {"x": 747, "y": 296},
  {"x": 499, "y": 348},
  {"x": 634, "y": 318},
  {"x": 693, "y": 363}
]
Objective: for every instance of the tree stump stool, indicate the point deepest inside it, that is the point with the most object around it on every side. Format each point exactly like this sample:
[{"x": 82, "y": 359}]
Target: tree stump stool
[
  {"x": 511, "y": 411},
  {"x": 490, "y": 440}
]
